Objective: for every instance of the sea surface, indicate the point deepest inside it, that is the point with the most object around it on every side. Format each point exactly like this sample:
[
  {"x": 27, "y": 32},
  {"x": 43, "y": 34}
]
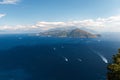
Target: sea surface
[{"x": 27, "y": 57}]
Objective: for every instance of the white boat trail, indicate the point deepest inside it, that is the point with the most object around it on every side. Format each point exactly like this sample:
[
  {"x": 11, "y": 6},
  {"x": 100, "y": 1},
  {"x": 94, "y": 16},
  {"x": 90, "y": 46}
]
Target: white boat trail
[
  {"x": 80, "y": 60},
  {"x": 104, "y": 59},
  {"x": 66, "y": 59}
]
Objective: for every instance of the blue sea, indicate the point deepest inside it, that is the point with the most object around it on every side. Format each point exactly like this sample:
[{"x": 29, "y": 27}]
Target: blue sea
[{"x": 27, "y": 57}]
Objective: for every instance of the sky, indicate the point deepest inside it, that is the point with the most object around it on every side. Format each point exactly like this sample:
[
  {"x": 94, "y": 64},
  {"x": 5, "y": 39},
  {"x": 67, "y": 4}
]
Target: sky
[{"x": 41, "y": 15}]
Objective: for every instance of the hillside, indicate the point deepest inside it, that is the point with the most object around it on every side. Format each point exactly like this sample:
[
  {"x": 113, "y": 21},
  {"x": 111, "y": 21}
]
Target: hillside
[{"x": 114, "y": 68}]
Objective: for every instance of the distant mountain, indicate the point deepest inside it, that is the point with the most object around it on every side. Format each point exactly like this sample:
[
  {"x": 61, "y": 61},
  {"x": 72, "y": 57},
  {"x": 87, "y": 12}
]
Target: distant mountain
[{"x": 74, "y": 33}]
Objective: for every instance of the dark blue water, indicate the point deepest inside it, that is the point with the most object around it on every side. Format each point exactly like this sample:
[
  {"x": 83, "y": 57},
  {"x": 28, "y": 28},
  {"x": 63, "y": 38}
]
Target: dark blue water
[{"x": 24, "y": 57}]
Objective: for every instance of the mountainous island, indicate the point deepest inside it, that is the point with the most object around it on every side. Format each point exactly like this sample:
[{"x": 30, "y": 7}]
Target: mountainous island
[{"x": 74, "y": 33}]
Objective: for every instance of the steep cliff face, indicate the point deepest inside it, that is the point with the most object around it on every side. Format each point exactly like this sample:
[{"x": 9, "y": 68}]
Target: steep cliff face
[{"x": 75, "y": 33}]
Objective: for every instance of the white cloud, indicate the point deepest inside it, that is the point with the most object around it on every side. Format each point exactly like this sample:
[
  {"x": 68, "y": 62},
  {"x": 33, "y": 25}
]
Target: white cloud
[
  {"x": 110, "y": 24},
  {"x": 9, "y": 1},
  {"x": 89, "y": 24},
  {"x": 2, "y": 15}
]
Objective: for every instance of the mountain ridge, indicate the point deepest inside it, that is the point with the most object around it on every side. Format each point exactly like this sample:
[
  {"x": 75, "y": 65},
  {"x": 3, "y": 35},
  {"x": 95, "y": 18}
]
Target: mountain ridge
[{"x": 74, "y": 33}]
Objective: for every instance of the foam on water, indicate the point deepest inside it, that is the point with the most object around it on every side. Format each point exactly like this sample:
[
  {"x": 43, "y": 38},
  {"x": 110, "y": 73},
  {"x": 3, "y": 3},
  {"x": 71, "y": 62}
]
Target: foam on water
[
  {"x": 80, "y": 60},
  {"x": 104, "y": 59},
  {"x": 66, "y": 59}
]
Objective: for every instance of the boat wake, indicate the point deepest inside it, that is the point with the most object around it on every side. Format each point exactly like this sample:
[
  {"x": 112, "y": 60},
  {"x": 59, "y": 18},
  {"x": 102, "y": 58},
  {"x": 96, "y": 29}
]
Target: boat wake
[{"x": 104, "y": 59}]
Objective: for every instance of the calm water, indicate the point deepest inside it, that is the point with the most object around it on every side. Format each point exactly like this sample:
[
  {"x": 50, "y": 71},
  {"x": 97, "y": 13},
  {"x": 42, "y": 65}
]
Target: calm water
[{"x": 25, "y": 57}]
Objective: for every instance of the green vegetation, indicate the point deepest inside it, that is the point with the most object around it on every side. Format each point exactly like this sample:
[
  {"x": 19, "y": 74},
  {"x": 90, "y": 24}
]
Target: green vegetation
[{"x": 114, "y": 68}]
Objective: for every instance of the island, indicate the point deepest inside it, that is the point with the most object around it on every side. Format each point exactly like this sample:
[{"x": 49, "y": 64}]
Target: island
[{"x": 74, "y": 33}]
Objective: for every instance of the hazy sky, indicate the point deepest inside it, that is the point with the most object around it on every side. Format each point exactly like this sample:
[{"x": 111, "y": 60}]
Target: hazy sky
[{"x": 25, "y": 13}]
